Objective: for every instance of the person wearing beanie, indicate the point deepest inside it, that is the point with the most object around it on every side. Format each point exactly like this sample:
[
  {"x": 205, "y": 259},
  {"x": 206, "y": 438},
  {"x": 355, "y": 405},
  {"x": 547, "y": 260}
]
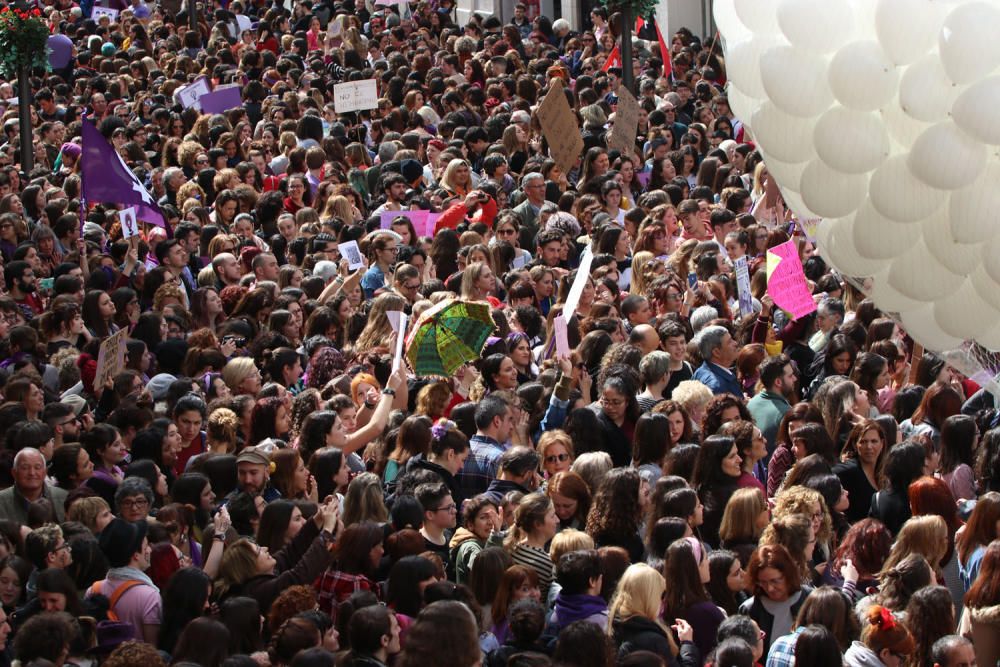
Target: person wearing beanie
[
  {"x": 885, "y": 642},
  {"x": 133, "y": 598}
]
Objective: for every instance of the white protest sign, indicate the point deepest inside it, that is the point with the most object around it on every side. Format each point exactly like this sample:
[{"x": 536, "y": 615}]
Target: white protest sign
[
  {"x": 243, "y": 23},
  {"x": 400, "y": 337},
  {"x": 355, "y": 96},
  {"x": 97, "y": 12},
  {"x": 743, "y": 286},
  {"x": 129, "y": 226},
  {"x": 394, "y": 318},
  {"x": 582, "y": 275},
  {"x": 351, "y": 251},
  {"x": 188, "y": 96}
]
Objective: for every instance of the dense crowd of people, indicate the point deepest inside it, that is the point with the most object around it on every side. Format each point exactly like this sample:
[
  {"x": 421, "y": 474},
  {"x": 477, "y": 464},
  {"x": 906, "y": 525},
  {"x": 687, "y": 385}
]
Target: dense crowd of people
[{"x": 683, "y": 481}]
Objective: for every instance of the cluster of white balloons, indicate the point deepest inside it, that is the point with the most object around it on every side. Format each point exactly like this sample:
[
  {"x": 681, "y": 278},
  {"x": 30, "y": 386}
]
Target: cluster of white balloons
[{"x": 883, "y": 118}]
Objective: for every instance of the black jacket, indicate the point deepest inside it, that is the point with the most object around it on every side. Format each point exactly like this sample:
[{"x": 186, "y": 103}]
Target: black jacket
[
  {"x": 755, "y": 610},
  {"x": 642, "y": 634},
  {"x": 419, "y": 462}
]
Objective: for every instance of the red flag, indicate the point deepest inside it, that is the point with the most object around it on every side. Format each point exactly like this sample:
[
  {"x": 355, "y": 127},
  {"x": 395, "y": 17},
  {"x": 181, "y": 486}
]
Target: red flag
[
  {"x": 664, "y": 53},
  {"x": 638, "y": 24},
  {"x": 614, "y": 60}
]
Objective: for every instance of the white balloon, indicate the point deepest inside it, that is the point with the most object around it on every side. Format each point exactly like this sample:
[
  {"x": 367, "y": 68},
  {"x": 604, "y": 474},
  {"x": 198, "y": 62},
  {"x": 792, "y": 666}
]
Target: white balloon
[
  {"x": 975, "y": 110},
  {"x": 742, "y": 104},
  {"x": 830, "y": 193},
  {"x": 898, "y": 195},
  {"x": 959, "y": 258},
  {"x": 967, "y": 41},
  {"x": 888, "y": 297},
  {"x": 987, "y": 288},
  {"x": 788, "y": 138},
  {"x": 743, "y": 63},
  {"x": 918, "y": 275},
  {"x": 907, "y": 29},
  {"x": 903, "y": 129},
  {"x": 878, "y": 237},
  {"x": 728, "y": 22},
  {"x": 925, "y": 91},
  {"x": 794, "y": 203},
  {"x": 760, "y": 16},
  {"x": 862, "y": 76},
  {"x": 991, "y": 258},
  {"x": 964, "y": 314},
  {"x": 795, "y": 80},
  {"x": 853, "y": 142},
  {"x": 973, "y": 211},
  {"x": 818, "y": 25},
  {"x": 787, "y": 174},
  {"x": 836, "y": 245},
  {"x": 990, "y": 339},
  {"x": 923, "y": 327},
  {"x": 946, "y": 157}
]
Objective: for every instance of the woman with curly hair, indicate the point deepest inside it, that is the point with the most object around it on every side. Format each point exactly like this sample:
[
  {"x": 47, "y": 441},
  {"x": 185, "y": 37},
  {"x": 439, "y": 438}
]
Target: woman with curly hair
[
  {"x": 617, "y": 512},
  {"x": 795, "y": 533},
  {"x": 810, "y": 504},
  {"x": 866, "y": 544},
  {"x": 930, "y": 615},
  {"x": 269, "y": 419}
]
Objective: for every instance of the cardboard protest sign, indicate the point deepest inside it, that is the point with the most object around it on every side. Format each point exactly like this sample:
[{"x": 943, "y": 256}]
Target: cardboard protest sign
[
  {"x": 355, "y": 96},
  {"x": 626, "y": 123},
  {"x": 786, "y": 282},
  {"x": 743, "y": 286},
  {"x": 111, "y": 358},
  {"x": 129, "y": 226},
  {"x": 560, "y": 128},
  {"x": 189, "y": 95},
  {"x": 222, "y": 99}
]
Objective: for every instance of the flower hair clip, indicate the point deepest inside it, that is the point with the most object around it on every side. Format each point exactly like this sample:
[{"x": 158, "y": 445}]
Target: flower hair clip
[
  {"x": 441, "y": 428},
  {"x": 886, "y": 620}
]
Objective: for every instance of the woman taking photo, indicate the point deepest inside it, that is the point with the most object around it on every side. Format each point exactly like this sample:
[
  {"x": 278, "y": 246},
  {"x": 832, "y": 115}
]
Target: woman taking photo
[{"x": 860, "y": 468}]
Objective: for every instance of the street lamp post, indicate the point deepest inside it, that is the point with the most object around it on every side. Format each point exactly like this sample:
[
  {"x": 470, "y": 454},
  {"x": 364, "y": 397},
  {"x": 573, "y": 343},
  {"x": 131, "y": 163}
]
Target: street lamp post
[
  {"x": 628, "y": 80},
  {"x": 24, "y": 107}
]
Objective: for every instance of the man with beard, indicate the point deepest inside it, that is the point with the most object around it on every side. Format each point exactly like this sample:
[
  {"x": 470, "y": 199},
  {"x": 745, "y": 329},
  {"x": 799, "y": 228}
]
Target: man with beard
[
  {"x": 20, "y": 280},
  {"x": 768, "y": 407}
]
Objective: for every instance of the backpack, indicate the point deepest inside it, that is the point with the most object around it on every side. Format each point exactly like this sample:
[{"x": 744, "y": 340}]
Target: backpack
[{"x": 98, "y": 589}]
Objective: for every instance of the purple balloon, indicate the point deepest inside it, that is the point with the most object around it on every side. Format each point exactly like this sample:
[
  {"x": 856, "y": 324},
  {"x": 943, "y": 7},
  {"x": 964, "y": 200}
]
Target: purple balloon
[{"x": 62, "y": 51}]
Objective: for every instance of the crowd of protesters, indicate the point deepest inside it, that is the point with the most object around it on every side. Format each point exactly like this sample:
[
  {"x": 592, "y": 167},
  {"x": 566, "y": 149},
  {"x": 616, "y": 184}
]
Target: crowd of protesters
[{"x": 689, "y": 484}]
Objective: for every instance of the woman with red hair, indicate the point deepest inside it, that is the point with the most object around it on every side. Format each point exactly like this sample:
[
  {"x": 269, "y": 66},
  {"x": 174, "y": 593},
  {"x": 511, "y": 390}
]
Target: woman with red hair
[
  {"x": 931, "y": 496},
  {"x": 778, "y": 591}
]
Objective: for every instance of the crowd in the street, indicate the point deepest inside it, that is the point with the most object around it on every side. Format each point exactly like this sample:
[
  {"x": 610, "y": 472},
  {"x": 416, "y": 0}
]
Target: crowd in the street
[{"x": 681, "y": 482}]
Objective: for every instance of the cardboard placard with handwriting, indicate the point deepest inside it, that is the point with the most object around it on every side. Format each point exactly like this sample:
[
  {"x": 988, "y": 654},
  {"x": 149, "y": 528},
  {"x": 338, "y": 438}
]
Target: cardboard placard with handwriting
[
  {"x": 111, "y": 357},
  {"x": 560, "y": 127},
  {"x": 626, "y": 123}
]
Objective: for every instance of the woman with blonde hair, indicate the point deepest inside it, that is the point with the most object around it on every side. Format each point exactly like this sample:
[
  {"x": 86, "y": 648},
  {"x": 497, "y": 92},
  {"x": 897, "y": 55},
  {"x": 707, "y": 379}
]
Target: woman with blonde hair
[
  {"x": 634, "y": 618},
  {"x": 555, "y": 449},
  {"x": 925, "y": 536},
  {"x": 223, "y": 425},
  {"x": 809, "y": 503},
  {"x": 640, "y": 280},
  {"x": 241, "y": 376},
  {"x": 744, "y": 519},
  {"x": 378, "y": 330},
  {"x": 457, "y": 178},
  {"x": 793, "y": 532},
  {"x": 363, "y": 501},
  {"x": 478, "y": 282},
  {"x": 339, "y": 206},
  {"x": 92, "y": 512}
]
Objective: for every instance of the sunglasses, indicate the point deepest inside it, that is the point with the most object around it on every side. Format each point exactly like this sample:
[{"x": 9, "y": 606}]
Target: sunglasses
[{"x": 561, "y": 458}]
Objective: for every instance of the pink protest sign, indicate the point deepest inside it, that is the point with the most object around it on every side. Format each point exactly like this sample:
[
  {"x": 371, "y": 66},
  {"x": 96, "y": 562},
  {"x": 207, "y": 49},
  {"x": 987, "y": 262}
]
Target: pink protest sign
[
  {"x": 418, "y": 218},
  {"x": 432, "y": 220},
  {"x": 786, "y": 283}
]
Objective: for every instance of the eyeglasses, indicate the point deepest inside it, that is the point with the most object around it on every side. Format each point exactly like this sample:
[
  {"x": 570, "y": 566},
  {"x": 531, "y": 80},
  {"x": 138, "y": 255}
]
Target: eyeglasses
[
  {"x": 447, "y": 508},
  {"x": 411, "y": 287},
  {"x": 768, "y": 584},
  {"x": 612, "y": 402},
  {"x": 506, "y": 232},
  {"x": 134, "y": 503},
  {"x": 561, "y": 458}
]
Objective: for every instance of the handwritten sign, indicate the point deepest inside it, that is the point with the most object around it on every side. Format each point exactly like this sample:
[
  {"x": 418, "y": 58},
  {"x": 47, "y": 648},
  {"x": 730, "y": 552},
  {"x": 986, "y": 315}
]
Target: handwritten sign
[
  {"x": 350, "y": 250},
  {"x": 355, "y": 96},
  {"x": 743, "y": 286},
  {"x": 626, "y": 123},
  {"x": 98, "y": 12},
  {"x": 129, "y": 226},
  {"x": 786, "y": 282},
  {"x": 576, "y": 289},
  {"x": 560, "y": 128},
  {"x": 111, "y": 358}
]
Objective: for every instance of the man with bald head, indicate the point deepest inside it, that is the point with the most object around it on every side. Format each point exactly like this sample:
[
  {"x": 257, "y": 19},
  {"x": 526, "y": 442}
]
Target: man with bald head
[
  {"x": 644, "y": 337},
  {"x": 29, "y": 487}
]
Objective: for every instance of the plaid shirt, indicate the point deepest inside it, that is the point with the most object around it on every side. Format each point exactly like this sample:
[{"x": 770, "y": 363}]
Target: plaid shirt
[
  {"x": 782, "y": 651},
  {"x": 482, "y": 465},
  {"x": 335, "y": 586}
]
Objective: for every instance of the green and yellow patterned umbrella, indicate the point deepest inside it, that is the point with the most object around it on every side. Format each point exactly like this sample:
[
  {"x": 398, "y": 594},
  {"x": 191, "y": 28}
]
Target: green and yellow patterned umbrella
[{"x": 448, "y": 335}]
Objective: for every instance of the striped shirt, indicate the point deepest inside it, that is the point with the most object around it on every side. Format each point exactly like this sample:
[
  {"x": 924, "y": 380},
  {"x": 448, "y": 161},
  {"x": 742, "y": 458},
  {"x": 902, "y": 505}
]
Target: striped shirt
[{"x": 539, "y": 561}]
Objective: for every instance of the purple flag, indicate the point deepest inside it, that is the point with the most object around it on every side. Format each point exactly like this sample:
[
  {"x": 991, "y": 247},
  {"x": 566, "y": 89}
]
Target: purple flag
[{"x": 107, "y": 179}]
